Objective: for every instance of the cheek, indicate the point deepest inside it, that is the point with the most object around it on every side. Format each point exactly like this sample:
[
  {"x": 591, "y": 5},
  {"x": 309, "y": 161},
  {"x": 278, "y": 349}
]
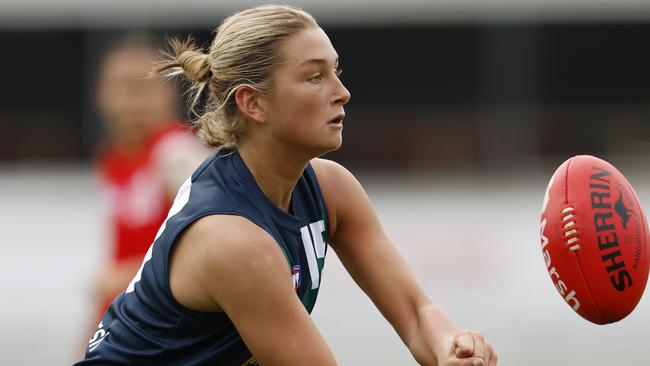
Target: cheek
[
  {"x": 118, "y": 97},
  {"x": 301, "y": 111}
]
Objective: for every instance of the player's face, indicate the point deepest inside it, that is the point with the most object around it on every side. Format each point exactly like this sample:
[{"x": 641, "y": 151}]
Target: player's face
[
  {"x": 131, "y": 104},
  {"x": 305, "y": 108}
]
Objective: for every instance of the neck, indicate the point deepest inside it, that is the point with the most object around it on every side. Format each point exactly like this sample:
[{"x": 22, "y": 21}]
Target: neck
[
  {"x": 129, "y": 143},
  {"x": 276, "y": 172}
]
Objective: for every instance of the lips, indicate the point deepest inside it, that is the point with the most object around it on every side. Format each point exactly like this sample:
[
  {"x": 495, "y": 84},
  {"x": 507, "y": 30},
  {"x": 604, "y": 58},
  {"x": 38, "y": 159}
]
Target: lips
[{"x": 338, "y": 119}]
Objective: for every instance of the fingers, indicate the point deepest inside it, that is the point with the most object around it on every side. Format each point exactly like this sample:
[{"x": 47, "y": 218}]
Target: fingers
[
  {"x": 488, "y": 354},
  {"x": 490, "y": 357},
  {"x": 472, "y": 361},
  {"x": 471, "y": 348},
  {"x": 463, "y": 345},
  {"x": 479, "y": 345}
]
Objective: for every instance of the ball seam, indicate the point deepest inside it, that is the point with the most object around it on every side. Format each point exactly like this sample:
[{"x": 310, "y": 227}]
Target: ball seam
[{"x": 576, "y": 253}]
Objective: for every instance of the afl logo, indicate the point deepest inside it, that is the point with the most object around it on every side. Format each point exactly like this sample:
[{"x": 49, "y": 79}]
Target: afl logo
[{"x": 295, "y": 274}]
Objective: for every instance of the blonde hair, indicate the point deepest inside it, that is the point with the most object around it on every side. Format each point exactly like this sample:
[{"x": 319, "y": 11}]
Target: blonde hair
[{"x": 244, "y": 52}]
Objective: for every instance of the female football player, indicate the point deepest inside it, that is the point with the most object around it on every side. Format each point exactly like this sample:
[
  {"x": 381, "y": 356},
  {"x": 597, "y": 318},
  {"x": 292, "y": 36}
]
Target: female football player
[{"x": 235, "y": 269}]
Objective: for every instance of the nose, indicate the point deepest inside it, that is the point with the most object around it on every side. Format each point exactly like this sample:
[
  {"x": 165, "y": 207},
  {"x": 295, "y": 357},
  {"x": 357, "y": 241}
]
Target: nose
[{"x": 342, "y": 94}]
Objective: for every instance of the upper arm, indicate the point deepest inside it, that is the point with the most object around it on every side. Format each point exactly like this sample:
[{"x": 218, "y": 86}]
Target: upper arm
[
  {"x": 239, "y": 267},
  {"x": 364, "y": 248}
]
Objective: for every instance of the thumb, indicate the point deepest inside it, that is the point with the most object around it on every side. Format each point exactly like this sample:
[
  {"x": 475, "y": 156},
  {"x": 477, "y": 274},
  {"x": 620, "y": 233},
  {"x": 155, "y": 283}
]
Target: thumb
[{"x": 463, "y": 345}]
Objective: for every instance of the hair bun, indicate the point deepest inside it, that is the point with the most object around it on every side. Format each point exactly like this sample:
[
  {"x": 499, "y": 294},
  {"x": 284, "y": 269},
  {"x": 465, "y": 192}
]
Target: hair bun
[{"x": 195, "y": 65}]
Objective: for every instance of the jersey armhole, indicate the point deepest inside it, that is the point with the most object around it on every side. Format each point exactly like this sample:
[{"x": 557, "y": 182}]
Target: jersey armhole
[
  {"x": 181, "y": 229},
  {"x": 321, "y": 200}
]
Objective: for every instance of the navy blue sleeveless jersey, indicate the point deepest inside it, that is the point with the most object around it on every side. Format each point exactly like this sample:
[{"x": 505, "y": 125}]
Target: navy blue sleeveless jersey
[{"x": 145, "y": 325}]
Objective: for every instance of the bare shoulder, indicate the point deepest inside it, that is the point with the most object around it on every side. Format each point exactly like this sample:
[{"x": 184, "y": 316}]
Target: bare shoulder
[
  {"x": 343, "y": 194},
  {"x": 333, "y": 175},
  {"x": 230, "y": 239},
  {"x": 325, "y": 166},
  {"x": 223, "y": 257}
]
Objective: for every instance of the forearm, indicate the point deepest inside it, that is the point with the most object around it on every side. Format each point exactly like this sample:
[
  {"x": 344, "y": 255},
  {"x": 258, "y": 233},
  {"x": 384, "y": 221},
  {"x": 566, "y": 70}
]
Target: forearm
[
  {"x": 423, "y": 326},
  {"x": 430, "y": 335}
]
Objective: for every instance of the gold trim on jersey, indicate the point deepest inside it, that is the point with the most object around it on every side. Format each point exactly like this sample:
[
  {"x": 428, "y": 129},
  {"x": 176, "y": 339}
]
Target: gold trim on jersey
[{"x": 250, "y": 362}]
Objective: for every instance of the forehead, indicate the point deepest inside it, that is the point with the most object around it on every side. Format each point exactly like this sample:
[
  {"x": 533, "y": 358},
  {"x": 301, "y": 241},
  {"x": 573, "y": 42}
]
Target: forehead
[
  {"x": 128, "y": 62},
  {"x": 311, "y": 43}
]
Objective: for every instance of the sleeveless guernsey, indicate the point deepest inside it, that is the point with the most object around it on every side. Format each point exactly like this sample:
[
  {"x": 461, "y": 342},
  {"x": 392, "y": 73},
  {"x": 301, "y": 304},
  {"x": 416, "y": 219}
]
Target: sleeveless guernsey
[{"x": 145, "y": 325}]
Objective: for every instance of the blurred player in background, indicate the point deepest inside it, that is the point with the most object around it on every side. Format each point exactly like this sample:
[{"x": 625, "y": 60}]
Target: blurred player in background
[
  {"x": 147, "y": 155},
  {"x": 235, "y": 270}
]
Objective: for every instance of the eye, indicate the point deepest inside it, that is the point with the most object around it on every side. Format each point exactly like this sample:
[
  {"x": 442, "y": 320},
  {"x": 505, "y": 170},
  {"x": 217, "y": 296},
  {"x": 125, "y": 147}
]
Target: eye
[
  {"x": 316, "y": 78},
  {"x": 338, "y": 71}
]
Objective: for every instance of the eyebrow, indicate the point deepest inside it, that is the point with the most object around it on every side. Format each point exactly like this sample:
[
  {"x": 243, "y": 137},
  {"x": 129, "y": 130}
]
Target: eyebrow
[{"x": 319, "y": 61}]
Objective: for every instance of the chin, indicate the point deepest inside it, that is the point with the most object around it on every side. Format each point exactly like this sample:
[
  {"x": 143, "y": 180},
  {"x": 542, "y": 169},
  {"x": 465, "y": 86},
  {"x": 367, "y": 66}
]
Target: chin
[
  {"x": 325, "y": 148},
  {"x": 335, "y": 144}
]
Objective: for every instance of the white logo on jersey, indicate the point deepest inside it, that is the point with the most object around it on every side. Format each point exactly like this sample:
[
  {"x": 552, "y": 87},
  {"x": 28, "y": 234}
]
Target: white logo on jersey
[
  {"x": 97, "y": 338},
  {"x": 314, "y": 248}
]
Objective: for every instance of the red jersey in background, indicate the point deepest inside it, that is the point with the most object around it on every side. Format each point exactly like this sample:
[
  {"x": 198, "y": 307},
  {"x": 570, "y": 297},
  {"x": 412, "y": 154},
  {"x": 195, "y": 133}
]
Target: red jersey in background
[{"x": 136, "y": 192}]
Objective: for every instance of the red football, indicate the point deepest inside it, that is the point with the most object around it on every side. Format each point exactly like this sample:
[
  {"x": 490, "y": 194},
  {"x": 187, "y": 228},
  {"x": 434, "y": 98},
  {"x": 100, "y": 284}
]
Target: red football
[{"x": 594, "y": 239}]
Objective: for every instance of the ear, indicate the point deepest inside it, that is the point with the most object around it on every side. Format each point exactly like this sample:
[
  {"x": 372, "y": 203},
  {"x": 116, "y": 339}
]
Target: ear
[{"x": 249, "y": 103}]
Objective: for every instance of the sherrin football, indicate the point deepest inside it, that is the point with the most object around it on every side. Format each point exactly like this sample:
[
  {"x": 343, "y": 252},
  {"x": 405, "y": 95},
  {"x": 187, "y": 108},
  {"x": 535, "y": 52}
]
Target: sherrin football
[{"x": 594, "y": 238}]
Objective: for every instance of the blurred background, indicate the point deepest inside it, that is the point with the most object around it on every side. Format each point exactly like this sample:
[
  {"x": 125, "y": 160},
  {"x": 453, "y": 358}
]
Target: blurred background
[{"x": 461, "y": 110}]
